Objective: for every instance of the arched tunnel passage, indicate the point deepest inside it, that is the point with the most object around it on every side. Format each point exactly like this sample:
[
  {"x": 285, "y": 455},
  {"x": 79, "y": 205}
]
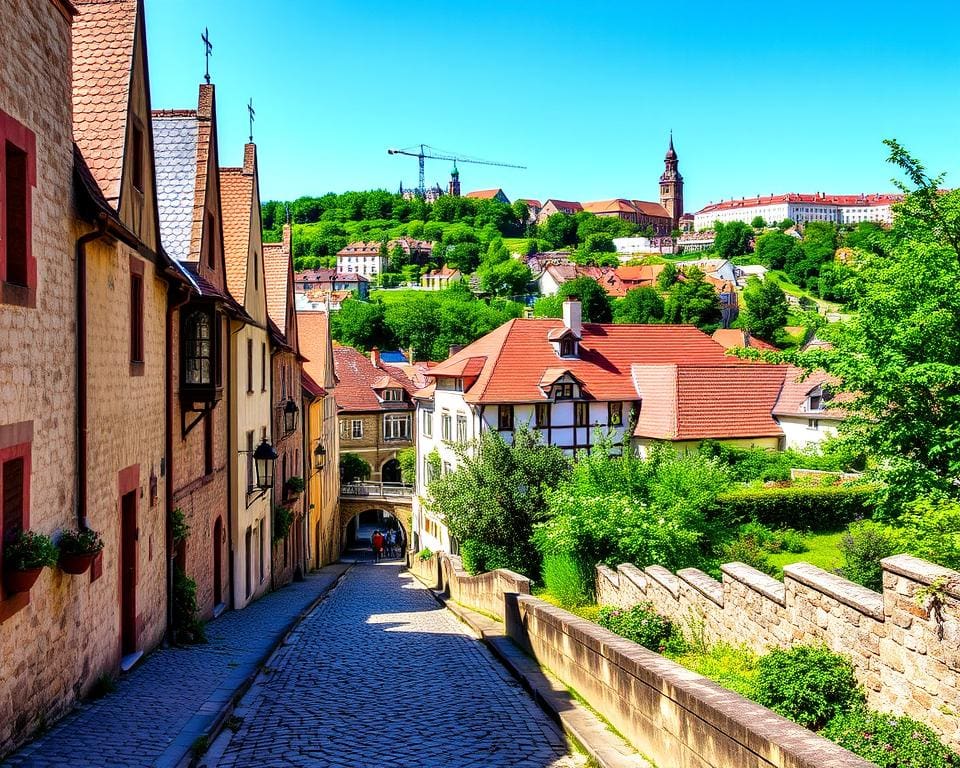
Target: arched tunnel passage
[{"x": 359, "y": 529}]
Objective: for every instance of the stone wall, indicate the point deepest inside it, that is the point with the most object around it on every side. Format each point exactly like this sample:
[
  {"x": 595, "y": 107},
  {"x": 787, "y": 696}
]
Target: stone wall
[
  {"x": 674, "y": 716},
  {"x": 904, "y": 643}
]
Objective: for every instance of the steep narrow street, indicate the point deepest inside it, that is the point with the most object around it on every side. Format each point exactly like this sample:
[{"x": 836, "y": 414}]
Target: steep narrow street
[{"x": 380, "y": 675}]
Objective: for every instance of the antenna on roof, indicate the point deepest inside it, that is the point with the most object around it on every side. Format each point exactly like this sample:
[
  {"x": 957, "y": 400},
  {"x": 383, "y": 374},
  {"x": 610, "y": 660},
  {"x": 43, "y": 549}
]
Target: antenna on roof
[
  {"x": 207, "y": 52},
  {"x": 253, "y": 116}
]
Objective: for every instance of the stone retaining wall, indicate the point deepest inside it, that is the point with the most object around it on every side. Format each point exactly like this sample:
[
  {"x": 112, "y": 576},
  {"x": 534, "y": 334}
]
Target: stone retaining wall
[
  {"x": 483, "y": 592},
  {"x": 904, "y": 643}
]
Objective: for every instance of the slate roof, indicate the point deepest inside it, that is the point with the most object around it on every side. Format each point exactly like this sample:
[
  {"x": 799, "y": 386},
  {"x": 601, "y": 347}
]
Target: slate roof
[
  {"x": 684, "y": 401},
  {"x": 356, "y": 378},
  {"x": 236, "y": 196},
  {"x": 103, "y": 42},
  {"x": 509, "y": 362},
  {"x": 175, "y": 149}
]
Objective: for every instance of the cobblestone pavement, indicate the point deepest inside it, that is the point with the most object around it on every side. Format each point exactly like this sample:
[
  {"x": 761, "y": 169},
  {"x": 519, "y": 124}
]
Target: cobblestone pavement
[
  {"x": 162, "y": 706},
  {"x": 380, "y": 675}
]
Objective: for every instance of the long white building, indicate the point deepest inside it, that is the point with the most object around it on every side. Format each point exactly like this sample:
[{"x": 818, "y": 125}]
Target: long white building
[{"x": 801, "y": 208}]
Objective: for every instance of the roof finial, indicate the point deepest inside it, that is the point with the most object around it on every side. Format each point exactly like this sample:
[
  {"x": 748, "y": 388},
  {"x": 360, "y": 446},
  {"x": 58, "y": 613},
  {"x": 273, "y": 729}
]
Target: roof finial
[
  {"x": 253, "y": 116},
  {"x": 671, "y": 138},
  {"x": 208, "y": 52}
]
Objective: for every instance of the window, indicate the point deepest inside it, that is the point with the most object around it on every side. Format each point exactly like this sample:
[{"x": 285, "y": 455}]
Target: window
[
  {"x": 136, "y": 318},
  {"x": 446, "y": 426},
  {"x": 198, "y": 349},
  {"x": 813, "y": 423},
  {"x": 249, "y": 366},
  {"x": 428, "y": 423},
  {"x": 392, "y": 395},
  {"x": 563, "y": 391},
  {"x": 566, "y": 348},
  {"x": 137, "y": 159},
  {"x": 581, "y": 414},
  {"x": 16, "y": 172},
  {"x": 428, "y": 471},
  {"x": 543, "y": 415},
  {"x": 447, "y": 468},
  {"x": 263, "y": 367},
  {"x": 396, "y": 426},
  {"x": 356, "y": 429},
  {"x": 505, "y": 418},
  {"x": 615, "y": 414},
  {"x": 251, "y": 472},
  {"x": 15, "y": 501},
  {"x": 461, "y": 428}
]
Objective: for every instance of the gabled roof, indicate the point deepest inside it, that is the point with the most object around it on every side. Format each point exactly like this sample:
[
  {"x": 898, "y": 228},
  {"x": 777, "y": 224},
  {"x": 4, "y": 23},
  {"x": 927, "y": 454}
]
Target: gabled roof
[
  {"x": 641, "y": 275},
  {"x": 276, "y": 264},
  {"x": 688, "y": 401},
  {"x": 561, "y": 204},
  {"x": 485, "y": 194},
  {"x": 797, "y": 388},
  {"x": 512, "y": 359},
  {"x": 316, "y": 347},
  {"x": 357, "y": 377},
  {"x": 616, "y": 205},
  {"x": 175, "y": 137},
  {"x": 651, "y": 209},
  {"x": 531, "y": 203},
  {"x": 103, "y": 46},
  {"x": 310, "y": 386},
  {"x": 735, "y": 338},
  {"x": 236, "y": 198}
]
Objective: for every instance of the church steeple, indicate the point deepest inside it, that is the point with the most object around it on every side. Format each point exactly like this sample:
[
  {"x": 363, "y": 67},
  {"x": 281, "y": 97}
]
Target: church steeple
[
  {"x": 453, "y": 189},
  {"x": 671, "y": 185}
]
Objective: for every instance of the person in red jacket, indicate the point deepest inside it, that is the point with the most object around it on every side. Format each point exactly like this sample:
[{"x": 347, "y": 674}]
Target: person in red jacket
[{"x": 377, "y": 541}]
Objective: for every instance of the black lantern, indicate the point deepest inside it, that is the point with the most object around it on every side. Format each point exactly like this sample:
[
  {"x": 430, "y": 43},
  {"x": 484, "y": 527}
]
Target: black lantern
[
  {"x": 320, "y": 456},
  {"x": 264, "y": 458},
  {"x": 290, "y": 412}
]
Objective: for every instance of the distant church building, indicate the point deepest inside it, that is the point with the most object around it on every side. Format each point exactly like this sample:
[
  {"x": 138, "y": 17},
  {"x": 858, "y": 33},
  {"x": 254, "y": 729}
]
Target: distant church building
[{"x": 671, "y": 186}]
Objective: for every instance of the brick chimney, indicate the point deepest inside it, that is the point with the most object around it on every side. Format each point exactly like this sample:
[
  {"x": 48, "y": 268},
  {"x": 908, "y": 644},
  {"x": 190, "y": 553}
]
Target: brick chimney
[
  {"x": 287, "y": 240},
  {"x": 205, "y": 102},
  {"x": 249, "y": 159},
  {"x": 375, "y": 357},
  {"x": 573, "y": 315}
]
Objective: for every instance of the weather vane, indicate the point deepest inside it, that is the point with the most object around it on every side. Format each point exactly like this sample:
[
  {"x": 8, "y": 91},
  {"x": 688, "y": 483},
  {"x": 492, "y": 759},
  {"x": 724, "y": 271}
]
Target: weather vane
[
  {"x": 253, "y": 116},
  {"x": 208, "y": 51}
]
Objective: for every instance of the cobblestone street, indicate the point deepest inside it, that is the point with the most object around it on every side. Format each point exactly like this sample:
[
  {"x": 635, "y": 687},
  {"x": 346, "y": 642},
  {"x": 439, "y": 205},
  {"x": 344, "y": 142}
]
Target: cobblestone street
[{"x": 380, "y": 675}]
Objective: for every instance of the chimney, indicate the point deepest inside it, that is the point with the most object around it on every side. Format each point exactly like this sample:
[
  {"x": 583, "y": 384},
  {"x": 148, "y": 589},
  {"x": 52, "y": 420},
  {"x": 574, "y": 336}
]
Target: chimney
[
  {"x": 453, "y": 349},
  {"x": 205, "y": 102},
  {"x": 410, "y": 358},
  {"x": 573, "y": 315},
  {"x": 375, "y": 357},
  {"x": 249, "y": 159},
  {"x": 287, "y": 238}
]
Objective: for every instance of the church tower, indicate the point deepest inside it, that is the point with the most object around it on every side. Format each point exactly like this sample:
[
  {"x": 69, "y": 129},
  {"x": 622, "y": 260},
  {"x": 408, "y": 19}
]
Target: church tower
[
  {"x": 453, "y": 188},
  {"x": 671, "y": 186}
]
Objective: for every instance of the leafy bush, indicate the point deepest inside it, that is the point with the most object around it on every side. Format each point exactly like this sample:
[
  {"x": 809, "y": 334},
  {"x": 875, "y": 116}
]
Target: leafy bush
[
  {"x": 187, "y": 626},
  {"x": 643, "y": 625},
  {"x": 754, "y": 541},
  {"x": 750, "y": 551},
  {"x": 353, "y": 467},
  {"x": 809, "y": 685},
  {"x": 733, "y": 667},
  {"x": 30, "y": 550},
  {"x": 480, "y": 557},
  {"x": 179, "y": 526},
  {"x": 408, "y": 465},
  {"x": 424, "y": 554},
  {"x": 889, "y": 741},
  {"x": 931, "y": 529},
  {"x": 282, "y": 520},
  {"x": 295, "y": 484},
  {"x": 863, "y": 546},
  {"x": 85, "y": 541},
  {"x": 803, "y": 507},
  {"x": 567, "y": 579}
]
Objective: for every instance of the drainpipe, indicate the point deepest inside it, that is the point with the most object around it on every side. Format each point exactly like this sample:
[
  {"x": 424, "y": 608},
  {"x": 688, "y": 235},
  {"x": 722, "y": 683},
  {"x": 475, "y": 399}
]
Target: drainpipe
[
  {"x": 231, "y": 464},
  {"x": 168, "y": 450},
  {"x": 81, "y": 330}
]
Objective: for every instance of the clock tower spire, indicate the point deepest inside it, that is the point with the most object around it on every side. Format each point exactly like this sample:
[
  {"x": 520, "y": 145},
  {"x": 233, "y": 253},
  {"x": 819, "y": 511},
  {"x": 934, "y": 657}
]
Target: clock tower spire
[{"x": 671, "y": 186}]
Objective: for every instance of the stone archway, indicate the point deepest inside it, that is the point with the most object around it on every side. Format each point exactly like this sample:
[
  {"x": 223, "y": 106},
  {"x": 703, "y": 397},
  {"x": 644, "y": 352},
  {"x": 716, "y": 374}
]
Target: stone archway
[
  {"x": 351, "y": 509},
  {"x": 390, "y": 471}
]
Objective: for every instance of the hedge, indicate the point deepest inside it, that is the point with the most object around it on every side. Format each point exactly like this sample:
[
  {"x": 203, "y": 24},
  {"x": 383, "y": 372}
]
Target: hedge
[{"x": 800, "y": 506}]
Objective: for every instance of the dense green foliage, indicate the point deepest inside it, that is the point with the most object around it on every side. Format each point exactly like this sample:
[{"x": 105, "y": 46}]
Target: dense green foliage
[
  {"x": 800, "y": 506},
  {"x": 889, "y": 741},
  {"x": 29, "y": 550},
  {"x": 408, "y": 465},
  {"x": 754, "y": 541},
  {"x": 640, "y": 305},
  {"x": 282, "y": 521},
  {"x": 809, "y": 685},
  {"x": 732, "y": 240},
  {"x": 353, "y": 467},
  {"x": 693, "y": 301},
  {"x": 187, "y": 626},
  {"x": 765, "y": 308},
  {"x": 863, "y": 546},
  {"x": 566, "y": 579},
  {"x": 595, "y": 303},
  {"x": 84, "y": 541},
  {"x": 492, "y": 501},
  {"x": 643, "y": 625},
  {"x": 748, "y": 464}
]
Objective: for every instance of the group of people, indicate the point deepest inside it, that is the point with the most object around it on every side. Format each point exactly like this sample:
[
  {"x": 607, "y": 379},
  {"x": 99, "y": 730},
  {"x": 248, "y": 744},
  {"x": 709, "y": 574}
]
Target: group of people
[{"x": 389, "y": 544}]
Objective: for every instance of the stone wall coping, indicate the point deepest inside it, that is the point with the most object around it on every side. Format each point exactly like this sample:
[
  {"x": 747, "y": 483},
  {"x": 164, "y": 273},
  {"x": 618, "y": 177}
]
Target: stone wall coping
[
  {"x": 751, "y": 725},
  {"x": 521, "y": 582},
  {"x": 606, "y": 572},
  {"x": 634, "y": 575},
  {"x": 757, "y": 581},
  {"x": 859, "y": 598},
  {"x": 703, "y": 583},
  {"x": 664, "y": 578},
  {"x": 923, "y": 571}
]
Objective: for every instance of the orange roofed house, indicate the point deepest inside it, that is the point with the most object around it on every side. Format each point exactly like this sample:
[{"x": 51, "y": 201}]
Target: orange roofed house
[{"x": 566, "y": 379}]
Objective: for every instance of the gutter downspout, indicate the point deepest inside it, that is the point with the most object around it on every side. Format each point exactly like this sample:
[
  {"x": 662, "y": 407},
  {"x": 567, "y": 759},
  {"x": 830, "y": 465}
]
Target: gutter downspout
[
  {"x": 231, "y": 461},
  {"x": 81, "y": 351}
]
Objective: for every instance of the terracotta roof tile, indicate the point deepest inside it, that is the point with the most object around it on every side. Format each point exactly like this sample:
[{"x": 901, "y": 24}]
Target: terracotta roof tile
[
  {"x": 236, "y": 199},
  {"x": 356, "y": 377},
  {"x": 651, "y": 209},
  {"x": 103, "y": 42},
  {"x": 311, "y": 386},
  {"x": 735, "y": 338},
  {"x": 798, "y": 386},
  {"x": 315, "y": 345},
  {"x": 276, "y": 267},
  {"x": 484, "y": 194}
]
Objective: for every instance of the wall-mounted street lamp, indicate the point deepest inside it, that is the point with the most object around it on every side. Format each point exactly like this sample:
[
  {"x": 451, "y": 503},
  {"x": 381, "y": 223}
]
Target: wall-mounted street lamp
[
  {"x": 264, "y": 459},
  {"x": 290, "y": 413},
  {"x": 319, "y": 456}
]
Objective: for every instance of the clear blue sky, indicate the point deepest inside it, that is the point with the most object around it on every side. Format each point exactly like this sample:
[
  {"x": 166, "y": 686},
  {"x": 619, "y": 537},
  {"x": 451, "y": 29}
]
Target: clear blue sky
[{"x": 761, "y": 97}]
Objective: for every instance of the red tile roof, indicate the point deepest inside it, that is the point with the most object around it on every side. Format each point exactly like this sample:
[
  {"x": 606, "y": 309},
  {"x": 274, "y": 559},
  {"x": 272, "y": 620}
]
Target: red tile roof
[
  {"x": 103, "y": 42},
  {"x": 735, "y": 338},
  {"x": 616, "y": 205},
  {"x": 792, "y": 197},
  {"x": 484, "y": 194},
  {"x": 276, "y": 267},
  {"x": 651, "y": 209},
  {"x": 531, "y": 203},
  {"x": 796, "y": 389},
  {"x": 307, "y": 382},
  {"x": 682, "y": 401},
  {"x": 511, "y": 360},
  {"x": 564, "y": 204},
  {"x": 357, "y": 377},
  {"x": 315, "y": 346}
]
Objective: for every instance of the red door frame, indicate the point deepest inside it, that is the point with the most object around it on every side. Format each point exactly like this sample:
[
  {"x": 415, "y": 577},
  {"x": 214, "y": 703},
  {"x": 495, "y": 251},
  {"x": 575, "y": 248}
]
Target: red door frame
[{"x": 128, "y": 482}]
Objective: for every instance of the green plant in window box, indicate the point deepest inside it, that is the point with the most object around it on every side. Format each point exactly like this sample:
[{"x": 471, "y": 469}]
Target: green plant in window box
[
  {"x": 78, "y": 548},
  {"x": 282, "y": 521},
  {"x": 23, "y": 559},
  {"x": 295, "y": 485}
]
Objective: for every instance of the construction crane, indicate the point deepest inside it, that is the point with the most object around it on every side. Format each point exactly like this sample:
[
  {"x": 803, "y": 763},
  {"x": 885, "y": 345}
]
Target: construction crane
[{"x": 422, "y": 151}]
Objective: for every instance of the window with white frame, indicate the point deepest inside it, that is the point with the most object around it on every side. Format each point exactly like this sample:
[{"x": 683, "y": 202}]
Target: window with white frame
[
  {"x": 396, "y": 426},
  {"x": 461, "y": 428},
  {"x": 351, "y": 428},
  {"x": 392, "y": 395},
  {"x": 427, "y": 424},
  {"x": 446, "y": 426}
]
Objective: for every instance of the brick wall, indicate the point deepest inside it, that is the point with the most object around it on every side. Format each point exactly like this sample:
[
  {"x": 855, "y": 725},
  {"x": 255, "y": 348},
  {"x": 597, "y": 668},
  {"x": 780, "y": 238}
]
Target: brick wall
[
  {"x": 904, "y": 644},
  {"x": 289, "y": 552}
]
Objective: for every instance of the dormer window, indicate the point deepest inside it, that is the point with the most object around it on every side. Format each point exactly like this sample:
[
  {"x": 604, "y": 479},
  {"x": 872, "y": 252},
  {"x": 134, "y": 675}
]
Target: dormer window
[
  {"x": 563, "y": 391},
  {"x": 817, "y": 399},
  {"x": 392, "y": 395},
  {"x": 568, "y": 348}
]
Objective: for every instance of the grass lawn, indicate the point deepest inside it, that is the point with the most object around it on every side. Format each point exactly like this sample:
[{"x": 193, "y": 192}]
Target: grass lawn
[
  {"x": 390, "y": 296},
  {"x": 588, "y": 612},
  {"x": 516, "y": 244},
  {"x": 730, "y": 666},
  {"x": 823, "y": 551}
]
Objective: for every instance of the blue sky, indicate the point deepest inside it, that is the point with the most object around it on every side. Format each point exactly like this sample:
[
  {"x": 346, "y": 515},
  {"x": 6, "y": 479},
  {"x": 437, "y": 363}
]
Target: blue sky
[{"x": 761, "y": 97}]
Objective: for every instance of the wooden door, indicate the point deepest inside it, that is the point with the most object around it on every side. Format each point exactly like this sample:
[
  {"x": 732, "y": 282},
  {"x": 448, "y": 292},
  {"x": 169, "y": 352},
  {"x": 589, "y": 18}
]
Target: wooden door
[
  {"x": 128, "y": 573},
  {"x": 218, "y": 562}
]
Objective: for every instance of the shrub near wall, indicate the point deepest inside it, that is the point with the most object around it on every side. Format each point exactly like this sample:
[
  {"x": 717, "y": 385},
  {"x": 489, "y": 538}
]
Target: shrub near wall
[{"x": 800, "y": 506}]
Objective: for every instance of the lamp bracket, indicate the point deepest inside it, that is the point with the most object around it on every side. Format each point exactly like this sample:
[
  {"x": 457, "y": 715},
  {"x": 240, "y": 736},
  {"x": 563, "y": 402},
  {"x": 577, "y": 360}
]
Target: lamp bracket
[{"x": 201, "y": 412}]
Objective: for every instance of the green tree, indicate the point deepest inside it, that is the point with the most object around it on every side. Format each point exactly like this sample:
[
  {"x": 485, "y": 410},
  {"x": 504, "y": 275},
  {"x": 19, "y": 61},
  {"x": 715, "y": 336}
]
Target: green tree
[
  {"x": 758, "y": 222},
  {"x": 559, "y": 230},
  {"x": 360, "y": 324},
  {"x": 774, "y": 249},
  {"x": 765, "y": 308},
  {"x": 353, "y": 467},
  {"x": 408, "y": 465},
  {"x": 398, "y": 258},
  {"x": 521, "y": 211},
  {"x": 497, "y": 253},
  {"x": 598, "y": 248},
  {"x": 640, "y": 305},
  {"x": 732, "y": 239},
  {"x": 784, "y": 225},
  {"x": 597, "y": 307},
  {"x": 496, "y": 495},
  {"x": 667, "y": 277},
  {"x": 506, "y": 278},
  {"x": 693, "y": 301}
]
